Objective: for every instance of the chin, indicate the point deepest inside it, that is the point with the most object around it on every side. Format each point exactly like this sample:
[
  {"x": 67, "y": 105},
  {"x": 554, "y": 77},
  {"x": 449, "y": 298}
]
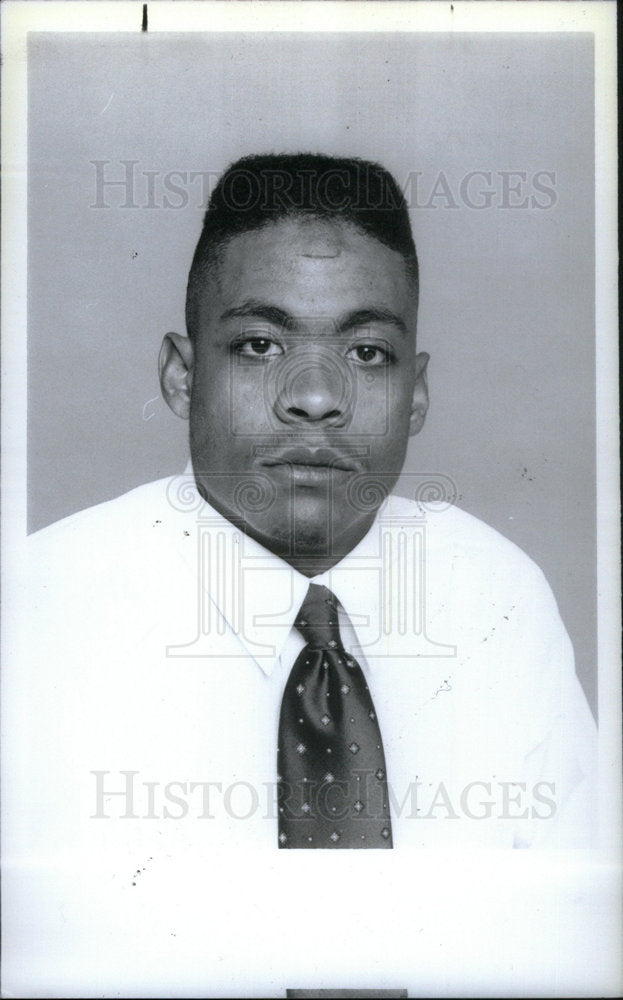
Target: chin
[
  {"x": 291, "y": 536},
  {"x": 298, "y": 535}
]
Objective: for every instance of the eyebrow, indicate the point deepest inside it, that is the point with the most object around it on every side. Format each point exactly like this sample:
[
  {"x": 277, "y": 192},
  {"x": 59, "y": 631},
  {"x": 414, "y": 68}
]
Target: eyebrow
[
  {"x": 261, "y": 310},
  {"x": 375, "y": 314},
  {"x": 279, "y": 317}
]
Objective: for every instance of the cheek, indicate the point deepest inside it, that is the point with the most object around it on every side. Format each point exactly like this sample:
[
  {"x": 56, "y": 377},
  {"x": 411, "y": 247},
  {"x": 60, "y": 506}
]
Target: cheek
[
  {"x": 247, "y": 403},
  {"x": 227, "y": 415},
  {"x": 210, "y": 414},
  {"x": 383, "y": 407}
]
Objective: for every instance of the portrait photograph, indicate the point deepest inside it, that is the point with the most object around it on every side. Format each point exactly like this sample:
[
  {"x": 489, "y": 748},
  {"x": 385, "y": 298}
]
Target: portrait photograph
[{"x": 311, "y": 632}]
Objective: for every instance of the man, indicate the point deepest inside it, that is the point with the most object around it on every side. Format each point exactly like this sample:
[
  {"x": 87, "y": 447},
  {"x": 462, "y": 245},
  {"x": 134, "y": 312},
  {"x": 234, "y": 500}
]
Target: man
[
  {"x": 302, "y": 382},
  {"x": 176, "y": 663}
]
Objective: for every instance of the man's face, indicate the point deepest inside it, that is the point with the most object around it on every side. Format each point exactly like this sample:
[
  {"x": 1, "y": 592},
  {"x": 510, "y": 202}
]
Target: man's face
[{"x": 303, "y": 384}]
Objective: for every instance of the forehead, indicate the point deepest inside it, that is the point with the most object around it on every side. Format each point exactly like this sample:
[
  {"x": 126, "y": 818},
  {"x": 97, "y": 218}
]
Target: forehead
[{"x": 312, "y": 267}]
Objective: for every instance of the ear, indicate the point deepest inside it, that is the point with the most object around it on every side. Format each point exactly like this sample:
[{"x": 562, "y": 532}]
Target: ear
[
  {"x": 175, "y": 365},
  {"x": 419, "y": 403}
]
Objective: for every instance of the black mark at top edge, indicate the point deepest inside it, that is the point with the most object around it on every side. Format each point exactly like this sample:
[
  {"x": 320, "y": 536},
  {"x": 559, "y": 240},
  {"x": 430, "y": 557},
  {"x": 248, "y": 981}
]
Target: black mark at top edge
[{"x": 144, "y": 23}]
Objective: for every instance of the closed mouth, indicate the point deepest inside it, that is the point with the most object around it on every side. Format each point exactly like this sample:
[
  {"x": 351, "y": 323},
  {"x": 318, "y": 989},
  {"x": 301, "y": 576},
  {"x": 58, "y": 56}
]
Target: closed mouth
[{"x": 316, "y": 458}]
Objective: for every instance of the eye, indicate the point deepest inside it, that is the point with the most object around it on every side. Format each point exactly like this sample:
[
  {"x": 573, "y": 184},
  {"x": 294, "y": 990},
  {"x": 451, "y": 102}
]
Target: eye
[
  {"x": 258, "y": 347},
  {"x": 369, "y": 354}
]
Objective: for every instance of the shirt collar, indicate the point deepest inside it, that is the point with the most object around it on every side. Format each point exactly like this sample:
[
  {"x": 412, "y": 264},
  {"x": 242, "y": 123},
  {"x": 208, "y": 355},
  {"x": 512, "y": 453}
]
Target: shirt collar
[{"x": 261, "y": 605}]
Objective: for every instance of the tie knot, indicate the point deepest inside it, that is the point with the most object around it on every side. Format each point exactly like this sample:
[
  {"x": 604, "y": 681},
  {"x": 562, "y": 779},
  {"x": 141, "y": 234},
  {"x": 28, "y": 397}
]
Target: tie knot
[{"x": 317, "y": 621}]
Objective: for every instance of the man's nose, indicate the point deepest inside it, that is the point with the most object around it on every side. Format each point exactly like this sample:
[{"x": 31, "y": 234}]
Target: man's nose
[{"x": 315, "y": 388}]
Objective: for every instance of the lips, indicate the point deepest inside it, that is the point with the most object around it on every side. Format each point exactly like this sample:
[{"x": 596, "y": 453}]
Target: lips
[{"x": 319, "y": 458}]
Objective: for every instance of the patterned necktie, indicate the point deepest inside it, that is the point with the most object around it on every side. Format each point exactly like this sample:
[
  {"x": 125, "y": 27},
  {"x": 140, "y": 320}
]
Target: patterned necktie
[{"x": 332, "y": 789}]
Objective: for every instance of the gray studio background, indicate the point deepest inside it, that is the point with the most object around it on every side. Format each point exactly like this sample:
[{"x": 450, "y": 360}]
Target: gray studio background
[{"x": 507, "y": 296}]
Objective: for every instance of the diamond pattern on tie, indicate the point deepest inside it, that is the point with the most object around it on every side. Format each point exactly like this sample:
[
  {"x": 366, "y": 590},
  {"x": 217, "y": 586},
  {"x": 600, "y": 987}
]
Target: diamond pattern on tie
[{"x": 347, "y": 806}]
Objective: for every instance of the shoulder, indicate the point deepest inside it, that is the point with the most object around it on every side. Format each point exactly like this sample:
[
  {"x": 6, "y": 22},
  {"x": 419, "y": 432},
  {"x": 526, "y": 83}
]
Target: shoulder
[
  {"x": 451, "y": 525},
  {"x": 101, "y": 534},
  {"x": 137, "y": 503},
  {"x": 114, "y": 568},
  {"x": 457, "y": 546}
]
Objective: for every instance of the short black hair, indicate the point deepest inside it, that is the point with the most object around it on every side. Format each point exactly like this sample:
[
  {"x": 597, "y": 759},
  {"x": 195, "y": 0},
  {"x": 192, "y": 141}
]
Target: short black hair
[{"x": 262, "y": 189}]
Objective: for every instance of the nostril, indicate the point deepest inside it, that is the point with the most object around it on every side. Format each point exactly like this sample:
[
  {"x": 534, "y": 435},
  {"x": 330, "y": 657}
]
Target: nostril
[{"x": 296, "y": 411}]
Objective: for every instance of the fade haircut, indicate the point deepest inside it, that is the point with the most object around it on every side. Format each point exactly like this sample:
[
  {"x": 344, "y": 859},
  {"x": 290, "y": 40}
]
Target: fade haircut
[{"x": 256, "y": 191}]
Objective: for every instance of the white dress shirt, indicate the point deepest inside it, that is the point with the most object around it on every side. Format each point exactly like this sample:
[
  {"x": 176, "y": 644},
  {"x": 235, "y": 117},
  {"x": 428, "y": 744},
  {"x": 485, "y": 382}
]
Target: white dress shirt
[{"x": 144, "y": 716}]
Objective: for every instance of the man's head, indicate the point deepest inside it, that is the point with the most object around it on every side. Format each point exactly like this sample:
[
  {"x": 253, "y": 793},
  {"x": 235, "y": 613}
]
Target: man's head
[{"x": 299, "y": 373}]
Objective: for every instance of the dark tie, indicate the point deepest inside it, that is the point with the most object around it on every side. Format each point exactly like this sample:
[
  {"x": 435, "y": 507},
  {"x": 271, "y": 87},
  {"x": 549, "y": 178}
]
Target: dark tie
[{"x": 332, "y": 789}]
